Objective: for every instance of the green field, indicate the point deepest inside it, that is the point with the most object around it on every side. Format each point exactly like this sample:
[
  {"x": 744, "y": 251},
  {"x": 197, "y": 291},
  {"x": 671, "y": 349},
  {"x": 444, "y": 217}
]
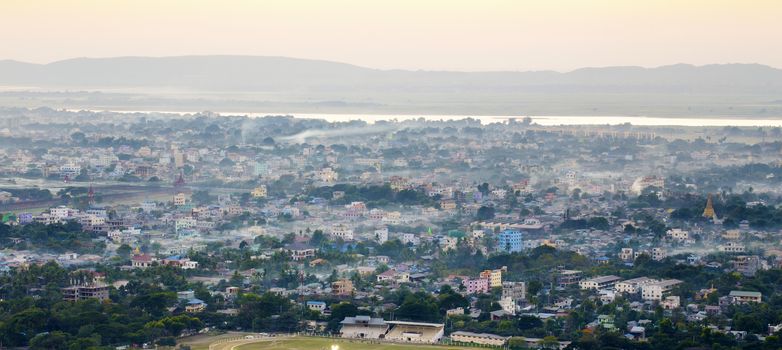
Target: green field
[{"x": 325, "y": 344}]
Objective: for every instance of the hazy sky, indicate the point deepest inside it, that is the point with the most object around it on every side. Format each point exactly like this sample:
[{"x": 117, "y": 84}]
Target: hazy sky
[{"x": 408, "y": 34}]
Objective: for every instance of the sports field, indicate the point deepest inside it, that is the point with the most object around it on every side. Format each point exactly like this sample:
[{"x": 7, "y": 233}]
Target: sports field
[
  {"x": 307, "y": 343},
  {"x": 326, "y": 344}
]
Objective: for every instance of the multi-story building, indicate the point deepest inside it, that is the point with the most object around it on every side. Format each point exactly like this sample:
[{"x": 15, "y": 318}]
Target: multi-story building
[
  {"x": 633, "y": 285},
  {"x": 747, "y": 265},
  {"x": 656, "y": 291},
  {"x": 567, "y": 278},
  {"x": 626, "y": 254},
  {"x": 494, "y": 276},
  {"x": 476, "y": 285},
  {"x": 509, "y": 241},
  {"x": 180, "y": 199},
  {"x": 514, "y": 290},
  {"x": 259, "y": 192},
  {"x": 658, "y": 254},
  {"x": 743, "y": 297},
  {"x": 342, "y": 287},
  {"x": 87, "y": 291},
  {"x": 731, "y": 247}
]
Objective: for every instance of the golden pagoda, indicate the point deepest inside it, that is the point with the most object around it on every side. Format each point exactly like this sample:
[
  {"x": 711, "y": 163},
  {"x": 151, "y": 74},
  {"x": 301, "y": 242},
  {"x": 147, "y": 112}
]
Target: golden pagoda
[{"x": 708, "y": 212}]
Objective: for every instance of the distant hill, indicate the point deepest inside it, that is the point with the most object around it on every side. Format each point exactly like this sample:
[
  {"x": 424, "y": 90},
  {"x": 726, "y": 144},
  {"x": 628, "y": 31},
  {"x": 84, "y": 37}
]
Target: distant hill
[
  {"x": 280, "y": 74},
  {"x": 286, "y": 85}
]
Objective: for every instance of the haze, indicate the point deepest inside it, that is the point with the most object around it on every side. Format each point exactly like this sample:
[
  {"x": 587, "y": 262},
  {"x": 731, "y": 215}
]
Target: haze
[{"x": 432, "y": 35}]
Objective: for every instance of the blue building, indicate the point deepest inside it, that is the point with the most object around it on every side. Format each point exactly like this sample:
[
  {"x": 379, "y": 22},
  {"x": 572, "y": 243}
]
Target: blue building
[{"x": 509, "y": 241}]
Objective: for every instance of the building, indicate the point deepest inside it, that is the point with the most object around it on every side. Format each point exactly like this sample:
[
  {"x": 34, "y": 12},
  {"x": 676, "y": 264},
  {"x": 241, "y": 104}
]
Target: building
[
  {"x": 514, "y": 290},
  {"x": 300, "y": 251},
  {"x": 658, "y": 254},
  {"x": 742, "y": 297},
  {"x": 342, "y": 287},
  {"x": 448, "y": 243},
  {"x": 141, "y": 261},
  {"x": 195, "y": 305},
  {"x": 393, "y": 276},
  {"x": 180, "y": 199},
  {"x": 87, "y": 291},
  {"x": 567, "y": 278},
  {"x": 626, "y": 254},
  {"x": 363, "y": 327},
  {"x": 656, "y": 290},
  {"x": 259, "y": 192},
  {"x": 601, "y": 282},
  {"x": 747, "y": 265},
  {"x": 494, "y": 277},
  {"x": 671, "y": 302},
  {"x": 342, "y": 232},
  {"x": 381, "y": 235},
  {"x": 732, "y": 248},
  {"x": 476, "y": 285},
  {"x": 319, "y": 306},
  {"x": 677, "y": 234},
  {"x": 633, "y": 285},
  {"x": 509, "y": 241},
  {"x": 415, "y": 332},
  {"x": 479, "y": 338},
  {"x": 180, "y": 262}
]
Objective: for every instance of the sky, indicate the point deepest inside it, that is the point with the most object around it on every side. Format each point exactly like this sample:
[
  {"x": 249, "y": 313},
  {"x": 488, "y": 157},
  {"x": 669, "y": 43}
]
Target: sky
[{"x": 477, "y": 35}]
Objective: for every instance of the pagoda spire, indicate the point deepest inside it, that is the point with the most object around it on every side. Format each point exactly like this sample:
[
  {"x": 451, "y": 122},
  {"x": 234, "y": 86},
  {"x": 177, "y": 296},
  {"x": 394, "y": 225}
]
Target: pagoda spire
[{"x": 708, "y": 212}]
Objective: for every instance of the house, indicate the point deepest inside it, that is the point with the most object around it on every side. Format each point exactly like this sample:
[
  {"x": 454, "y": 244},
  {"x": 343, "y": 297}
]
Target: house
[
  {"x": 180, "y": 262},
  {"x": 393, "y": 276},
  {"x": 141, "y": 261},
  {"x": 318, "y": 306},
  {"x": 195, "y": 305},
  {"x": 300, "y": 251}
]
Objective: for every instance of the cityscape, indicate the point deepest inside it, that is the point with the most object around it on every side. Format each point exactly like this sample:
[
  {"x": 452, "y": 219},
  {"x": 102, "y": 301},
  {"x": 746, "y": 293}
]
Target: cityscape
[{"x": 152, "y": 203}]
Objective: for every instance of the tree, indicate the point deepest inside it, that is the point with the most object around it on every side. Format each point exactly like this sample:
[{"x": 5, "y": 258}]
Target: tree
[
  {"x": 485, "y": 213},
  {"x": 515, "y": 343},
  {"x": 549, "y": 342},
  {"x": 124, "y": 251}
]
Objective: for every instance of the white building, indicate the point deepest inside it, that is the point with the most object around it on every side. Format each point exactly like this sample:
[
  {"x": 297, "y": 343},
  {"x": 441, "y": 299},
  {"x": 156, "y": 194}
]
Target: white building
[
  {"x": 656, "y": 291},
  {"x": 633, "y": 285},
  {"x": 601, "y": 282}
]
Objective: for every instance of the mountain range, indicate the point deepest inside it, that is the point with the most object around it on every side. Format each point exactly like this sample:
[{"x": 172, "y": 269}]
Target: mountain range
[
  {"x": 263, "y": 73},
  {"x": 252, "y": 83}
]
